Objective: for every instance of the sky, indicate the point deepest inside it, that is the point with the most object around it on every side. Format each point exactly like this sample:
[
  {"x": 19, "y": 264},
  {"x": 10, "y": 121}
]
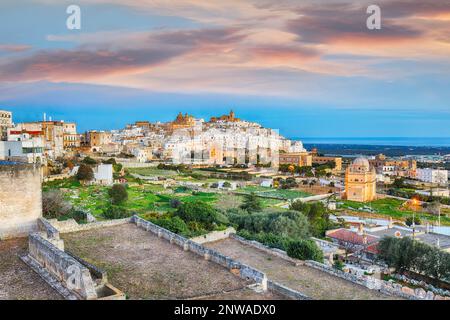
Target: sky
[{"x": 309, "y": 68}]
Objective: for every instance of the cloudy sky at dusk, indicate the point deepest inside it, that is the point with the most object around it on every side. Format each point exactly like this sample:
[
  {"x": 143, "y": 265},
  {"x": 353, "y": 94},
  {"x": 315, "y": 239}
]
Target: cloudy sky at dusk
[{"x": 309, "y": 68}]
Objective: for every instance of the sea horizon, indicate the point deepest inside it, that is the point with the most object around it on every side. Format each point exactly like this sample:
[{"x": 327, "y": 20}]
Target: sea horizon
[{"x": 379, "y": 141}]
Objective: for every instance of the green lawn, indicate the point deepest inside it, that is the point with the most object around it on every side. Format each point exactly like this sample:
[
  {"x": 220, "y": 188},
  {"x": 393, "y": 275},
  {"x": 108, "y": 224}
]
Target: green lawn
[
  {"x": 271, "y": 192},
  {"x": 393, "y": 208},
  {"x": 152, "y": 171}
]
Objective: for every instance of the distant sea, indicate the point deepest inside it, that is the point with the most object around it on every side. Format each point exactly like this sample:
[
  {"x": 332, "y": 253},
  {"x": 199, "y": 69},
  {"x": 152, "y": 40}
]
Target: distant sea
[{"x": 381, "y": 141}]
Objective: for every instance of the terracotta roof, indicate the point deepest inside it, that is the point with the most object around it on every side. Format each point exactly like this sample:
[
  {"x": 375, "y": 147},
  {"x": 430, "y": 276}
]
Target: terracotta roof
[
  {"x": 351, "y": 236},
  {"x": 373, "y": 248}
]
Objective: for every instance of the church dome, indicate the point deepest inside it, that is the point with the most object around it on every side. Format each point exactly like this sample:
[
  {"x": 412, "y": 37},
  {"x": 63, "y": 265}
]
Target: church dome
[{"x": 361, "y": 163}]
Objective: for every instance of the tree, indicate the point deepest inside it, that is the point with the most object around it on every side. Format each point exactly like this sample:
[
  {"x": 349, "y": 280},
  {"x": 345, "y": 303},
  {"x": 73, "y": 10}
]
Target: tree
[
  {"x": 318, "y": 216},
  {"x": 226, "y": 184},
  {"x": 251, "y": 203},
  {"x": 409, "y": 221},
  {"x": 85, "y": 173},
  {"x": 408, "y": 254},
  {"x": 304, "y": 250},
  {"x": 202, "y": 213},
  {"x": 54, "y": 205},
  {"x": 118, "y": 193},
  {"x": 89, "y": 160}
]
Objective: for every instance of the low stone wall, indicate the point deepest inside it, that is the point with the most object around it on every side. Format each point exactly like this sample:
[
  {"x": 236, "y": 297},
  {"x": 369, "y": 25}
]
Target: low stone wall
[
  {"x": 57, "y": 177},
  {"x": 279, "y": 288},
  {"x": 236, "y": 267},
  {"x": 386, "y": 287},
  {"x": 61, "y": 266},
  {"x": 272, "y": 251},
  {"x": 45, "y": 226},
  {"x": 71, "y": 225},
  {"x": 214, "y": 236}
]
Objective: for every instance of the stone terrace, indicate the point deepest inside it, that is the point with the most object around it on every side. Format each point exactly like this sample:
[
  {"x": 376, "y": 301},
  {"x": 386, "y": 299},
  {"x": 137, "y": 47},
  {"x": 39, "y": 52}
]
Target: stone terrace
[
  {"x": 147, "y": 267},
  {"x": 309, "y": 281},
  {"x": 17, "y": 280}
]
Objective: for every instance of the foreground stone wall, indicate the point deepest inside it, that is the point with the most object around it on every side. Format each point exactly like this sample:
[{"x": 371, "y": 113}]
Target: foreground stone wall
[
  {"x": 20, "y": 199},
  {"x": 386, "y": 287},
  {"x": 62, "y": 266},
  {"x": 71, "y": 225},
  {"x": 214, "y": 236}
]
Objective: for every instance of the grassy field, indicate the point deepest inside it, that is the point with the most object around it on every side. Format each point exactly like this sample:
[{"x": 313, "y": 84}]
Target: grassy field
[
  {"x": 281, "y": 193},
  {"x": 393, "y": 208},
  {"x": 148, "y": 197}
]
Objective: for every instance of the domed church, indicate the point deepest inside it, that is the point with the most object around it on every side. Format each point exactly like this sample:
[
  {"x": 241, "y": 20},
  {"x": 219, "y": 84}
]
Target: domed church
[{"x": 360, "y": 181}]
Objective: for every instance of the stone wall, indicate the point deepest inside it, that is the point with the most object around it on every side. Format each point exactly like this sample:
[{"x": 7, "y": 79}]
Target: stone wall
[
  {"x": 214, "y": 236},
  {"x": 386, "y": 287},
  {"x": 288, "y": 292},
  {"x": 71, "y": 225},
  {"x": 61, "y": 266},
  {"x": 20, "y": 199}
]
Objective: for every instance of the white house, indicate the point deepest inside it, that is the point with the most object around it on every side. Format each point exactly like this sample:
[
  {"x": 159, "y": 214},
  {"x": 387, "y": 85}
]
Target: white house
[
  {"x": 29, "y": 151},
  {"x": 439, "y": 176},
  {"x": 103, "y": 174}
]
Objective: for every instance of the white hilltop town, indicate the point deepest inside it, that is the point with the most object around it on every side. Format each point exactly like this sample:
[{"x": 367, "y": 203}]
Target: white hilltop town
[{"x": 222, "y": 208}]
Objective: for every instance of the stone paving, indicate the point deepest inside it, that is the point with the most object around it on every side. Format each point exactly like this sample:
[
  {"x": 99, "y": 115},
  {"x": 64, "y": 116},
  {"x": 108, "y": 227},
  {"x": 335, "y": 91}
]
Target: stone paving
[{"x": 17, "y": 280}]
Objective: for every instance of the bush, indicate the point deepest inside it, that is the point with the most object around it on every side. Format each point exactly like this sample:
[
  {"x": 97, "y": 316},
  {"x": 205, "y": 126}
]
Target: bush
[
  {"x": 89, "y": 160},
  {"x": 85, "y": 173},
  {"x": 202, "y": 213},
  {"x": 226, "y": 184},
  {"x": 174, "y": 224},
  {"x": 54, "y": 205},
  {"x": 338, "y": 264},
  {"x": 175, "y": 203},
  {"x": 116, "y": 212},
  {"x": 118, "y": 194},
  {"x": 287, "y": 224},
  {"x": 304, "y": 250}
]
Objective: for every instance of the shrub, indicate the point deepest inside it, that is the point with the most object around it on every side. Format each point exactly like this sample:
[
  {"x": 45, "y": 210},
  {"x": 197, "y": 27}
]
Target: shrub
[
  {"x": 118, "y": 193},
  {"x": 54, "y": 205},
  {"x": 89, "y": 160},
  {"x": 116, "y": 212},
  {"x": 175, "y": 203},
  {"x": 304, "y": 250},
  {"x": 85, "y": 173},
  {"x": 338, "y": 264},
  {"x": 174, "y": 224}
]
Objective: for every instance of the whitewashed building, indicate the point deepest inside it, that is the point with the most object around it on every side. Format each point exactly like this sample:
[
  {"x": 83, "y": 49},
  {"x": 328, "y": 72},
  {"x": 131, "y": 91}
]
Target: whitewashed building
[{"x": 439, "y": 176}]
